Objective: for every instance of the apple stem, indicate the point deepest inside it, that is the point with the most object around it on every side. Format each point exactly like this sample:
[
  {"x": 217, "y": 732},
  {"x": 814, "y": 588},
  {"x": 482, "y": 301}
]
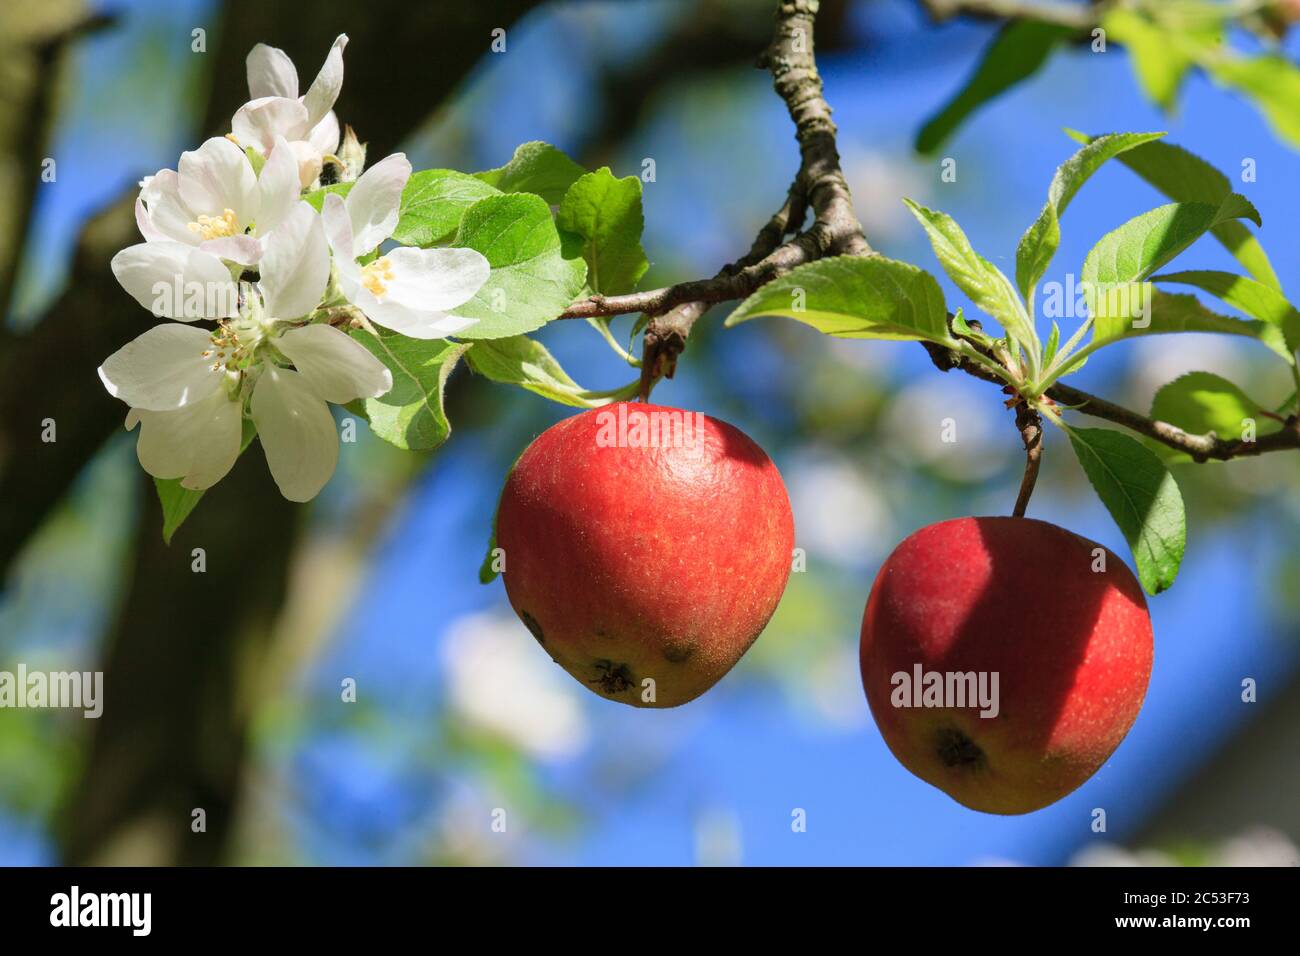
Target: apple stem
[{"x": 1030, "y": 424}]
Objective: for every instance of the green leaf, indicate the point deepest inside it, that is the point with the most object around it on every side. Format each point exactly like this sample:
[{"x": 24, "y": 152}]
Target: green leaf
[
  {"x": 536, "y": 167},
  {"x": 433, "y": 203},
  {"x": 605, "y": 214},
  {"x": 316, "y": 198},
  {"x": 527, "y": 363},
  {"x": 855, "y": 297},
  {"x": 1142, "y": 245},
  {"x": 1185, "y": 177},
  {"x": 486, "y": 572},
  {"x": 411, "y": 415},
  {"x": 1169, "y": 313},
  {"x": 1270, "y": 80},
  {"x": 1039, "y": 243},
  {"x": 1201, "y": 402},
  {"x": 1053, "y": 342},
  {"x": 178, "y": 502},
  {"x": 1256, "y": 299},
  {"x": 531, "y": 280},
  {"x": 1159, "y": 62},
  {"x": 1014, "y": 55},
  {"x": 1141, "y": 495},
  {"x": 984, "y": 282}
]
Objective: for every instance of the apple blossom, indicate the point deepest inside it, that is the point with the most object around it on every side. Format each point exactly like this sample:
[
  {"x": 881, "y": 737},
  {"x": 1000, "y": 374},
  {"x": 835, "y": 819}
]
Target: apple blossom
[
  {"x": 190, "y": 389},
  {"x": 407, "y": 290},
  {"x": 211, "y": 208},
  {"x": 276, "y": 110}
]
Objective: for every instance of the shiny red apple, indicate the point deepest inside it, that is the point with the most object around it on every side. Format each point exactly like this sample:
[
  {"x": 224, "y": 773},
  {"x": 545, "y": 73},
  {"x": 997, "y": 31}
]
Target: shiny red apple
[
  {"x": 1042, "y": 647},
  {"x": 645, "y": 548}
]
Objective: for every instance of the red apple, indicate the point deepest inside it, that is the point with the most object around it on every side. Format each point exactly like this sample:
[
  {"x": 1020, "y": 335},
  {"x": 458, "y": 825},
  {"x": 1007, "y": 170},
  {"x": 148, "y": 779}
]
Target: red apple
[
  {"x": 1059, "y": 620},
  {"x": 645, "y": 548}
]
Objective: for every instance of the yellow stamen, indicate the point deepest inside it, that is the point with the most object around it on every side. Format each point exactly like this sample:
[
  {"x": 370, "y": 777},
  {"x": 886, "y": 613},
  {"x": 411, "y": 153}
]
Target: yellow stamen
[
  {"x": 215, "y": 227},
  {"x": 376, "y": 275}
]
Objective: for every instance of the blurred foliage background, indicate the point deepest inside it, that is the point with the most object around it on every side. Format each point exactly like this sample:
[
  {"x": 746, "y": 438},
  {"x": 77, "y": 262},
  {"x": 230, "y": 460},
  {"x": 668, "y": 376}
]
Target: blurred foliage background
[{"x": 223, "y": 689}]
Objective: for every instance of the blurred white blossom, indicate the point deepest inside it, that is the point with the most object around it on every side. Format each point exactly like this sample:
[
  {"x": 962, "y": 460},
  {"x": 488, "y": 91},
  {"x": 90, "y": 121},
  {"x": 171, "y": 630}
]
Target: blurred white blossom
[
  {"x": 499, "y": 681},
  {"x": 839, "y": 513},
  {"x": 922, "y": 416}
]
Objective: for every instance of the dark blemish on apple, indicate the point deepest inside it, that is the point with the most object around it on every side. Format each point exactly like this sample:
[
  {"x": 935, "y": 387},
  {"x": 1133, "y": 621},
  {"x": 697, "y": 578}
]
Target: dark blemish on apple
[
  {"x": 534, "y": 628},
  {"x": 679, "y": 652},
  {"x": 955, "y": 749},
  {"x": 612, "y": 678}
]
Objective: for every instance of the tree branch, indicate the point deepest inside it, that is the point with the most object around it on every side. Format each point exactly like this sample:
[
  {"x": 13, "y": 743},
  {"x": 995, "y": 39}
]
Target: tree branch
[
  {"x": 1200, "y": 448},
  {"x": 820, "y": 185},
  {"x": 1030, "y": 424}
]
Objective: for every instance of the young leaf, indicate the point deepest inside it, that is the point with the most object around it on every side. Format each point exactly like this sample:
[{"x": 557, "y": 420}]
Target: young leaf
[
  {"x": 1142, "y": 245},
  {"x": 1201, "y": 402},
  {"x": 178, "y": 502},
  {"x": 1142, "y": 497},
  {"x": 1185, "y": 177},
  {"x": 433, "y": 203},
  {"x": 605, "y": 214},
  {"x": 316, "y": 198},
  {"x": 1159, "y": 64},
  {"x": 1053, "y": 341},
  {"x": 411, "y": 415},
  {"x": 1256, "y": 299},
  {"x": 1168, "y": 313},
  {"x": 527, "y": 363},
  {"x": 984, "y": 282},
  {"x": 1015, "y": 54},
  {"x": 487, "y": 571},
  {"x": 536, "y": 167},
  {"x": 1271, "y": 80},
  {"x": 531, "y": 281},
  {"x": 1039, "y": 243},
  {"x": 855, "y": 297}
]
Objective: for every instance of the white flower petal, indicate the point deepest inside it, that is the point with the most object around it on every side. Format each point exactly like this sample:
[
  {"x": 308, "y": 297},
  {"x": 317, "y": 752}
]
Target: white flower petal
[
  {"x": 310, "y": 162},
  {"x": 338, "y": 228},
  {"x": 176, "y": 281},
  {"x": 297, "y": 433},
  {"x": 324, "y": 136},
  {"x": 271, "y": 73},
  {"x": 218, "y": 176},
  {"x": 147, "y": 229},
  {"x": 295, "y": 266},
  {"x": 277, "y": 186},
  {"x": 244, "y": 250},
  {"x": 163, "y": 369},
  {"x": 435, "y": 279},
  {"x": 325, "y": 88},
  {"x": 198, "y": 443},
  {"x": 260, "y": 121},
  {"x": 335, "y": 365},
  {"x": 373, "y": 202},
  {"x": 167, "y": 212},
  {"x": 413, "y": 323}
]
